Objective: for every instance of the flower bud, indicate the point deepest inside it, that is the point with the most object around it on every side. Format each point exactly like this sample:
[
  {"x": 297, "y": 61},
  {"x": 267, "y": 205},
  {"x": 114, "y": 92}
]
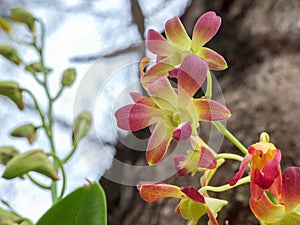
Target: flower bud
[
  {"x": 5, "y": 25},
  {"x": 23, "y": 16},
  {"x": 12, "y": 90},
  {"x": 28, "y": 131},
  {"x": 81, "y": 126},
  {"x": 33, "y": 160},
  {"x": 34, "y": 67},
  {"x": 68, "y": 77},
  {"x": 7, "y": 153},
  {"x": 10, "y": 53}
]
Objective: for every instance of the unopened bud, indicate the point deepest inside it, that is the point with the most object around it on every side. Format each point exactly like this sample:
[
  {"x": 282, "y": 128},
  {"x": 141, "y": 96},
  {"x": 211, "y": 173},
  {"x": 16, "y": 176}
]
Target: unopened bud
[
  {"x": 10, "y": 53},
  {"x": 81, "y": 126},
  {"x": 28, "y": 131},
  {"x": 33, "y": 160},
  {"x": 23, "y": 16},
  {"x": 68, "y": 77},
  {"x": 7, "y": 153},
  {"x": 12, "y": 90},
  {"x": 35, "y": 67},
  {"x": 5, "y": 25},
  {"x": 7, "y": 217}
]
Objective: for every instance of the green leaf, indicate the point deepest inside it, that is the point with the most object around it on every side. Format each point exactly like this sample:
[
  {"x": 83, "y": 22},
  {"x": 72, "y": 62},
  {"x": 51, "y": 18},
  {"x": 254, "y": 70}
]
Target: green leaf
[{"x": 84, "y": 206}]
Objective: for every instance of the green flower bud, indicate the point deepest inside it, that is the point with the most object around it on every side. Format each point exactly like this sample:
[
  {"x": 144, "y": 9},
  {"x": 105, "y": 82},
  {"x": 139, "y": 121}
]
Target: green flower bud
[
  {"x": 7, "y": 216},
  {"x": 28, "y": 131},
  {"x": 6, "y": 154},
  {"x": 81, "y": 126},
  {"x": 33, "y": 160},
  {"x": 34, "y": 67},
  {"x": 68, "y": 77},
  {"x": 10, "y": 53},
  {"x": 12, "y": 90},
  {"x": 23, "y": 16},
  {"x": 5, "y": 25}
]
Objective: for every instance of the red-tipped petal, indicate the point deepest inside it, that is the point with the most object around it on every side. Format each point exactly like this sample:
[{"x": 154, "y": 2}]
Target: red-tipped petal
[
  {"x": 193, "y": 194},
  {"x": 158, "y": 143},
  {"x": 156, "y": 71},
  {"x": 241, "y": 171},
  {"x": 265, "y": 178},
  {"x": 153, "y": 192},
  {"x": 265, "y": 210},
  {"x": 137, "y": 98},
  {"x": 143, "y": 64},
  {"x": 207, "y": 159},
  {"x": 210, "y": 110},
  {"x": 176, "y": 33},
  {"x": 183, "y": 132},
  {"x": 213, "y": 59},
  {"x": 137, "y": 116},
  {"x": 191, "y": 75},
  {"x": 205, "y": 28},
  {"x": 158, "y": 45},
  {"x": 178, "y": 160},
  {"x": 291, "y": 187}
]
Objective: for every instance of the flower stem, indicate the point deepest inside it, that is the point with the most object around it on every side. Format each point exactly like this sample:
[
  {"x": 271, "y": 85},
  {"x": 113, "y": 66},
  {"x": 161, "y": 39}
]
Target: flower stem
[
  {"x": 230, "y": 156},
  {"x": 230, "y": 136},
  {"x": 38, "y": 183},
  {"x": 225, "y": 187}
]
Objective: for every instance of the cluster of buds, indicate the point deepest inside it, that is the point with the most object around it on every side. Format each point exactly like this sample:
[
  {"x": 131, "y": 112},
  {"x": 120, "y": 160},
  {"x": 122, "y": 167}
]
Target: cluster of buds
[{"x": 173, "y": 113}]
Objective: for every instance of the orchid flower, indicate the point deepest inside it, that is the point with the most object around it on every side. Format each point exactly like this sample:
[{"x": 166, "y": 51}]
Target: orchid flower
[
  {"x": 275, "y": 198},
  {"x": 192, "y": 205},
  {"x": 172, "y": 114},
  {"x": 170, "y": 53}
]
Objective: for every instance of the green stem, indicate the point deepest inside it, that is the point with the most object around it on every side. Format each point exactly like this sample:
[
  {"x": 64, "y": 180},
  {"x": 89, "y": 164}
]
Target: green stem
[
  {"x": 58, "y": 94},
  {"x": 61, "y": 165},
  {"x": 38, "y": 183},
  {"x": 230, "y": 136},
  {"x": 230, "y": 156},
  {"x": 38, "y": 108},
  {"x": 208, "y": 93},
  {"x": 225, "y": 187},
  {"x": 66, "y": 159}
]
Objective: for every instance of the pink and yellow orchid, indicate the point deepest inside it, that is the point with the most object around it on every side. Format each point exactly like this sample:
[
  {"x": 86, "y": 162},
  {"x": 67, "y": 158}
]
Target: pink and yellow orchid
[
  {"x": 275, "y": 198},
  {"x": 173, "y": 114},
  {"x": 192, "y": 205},
  {"x": 171, "y": 53}
]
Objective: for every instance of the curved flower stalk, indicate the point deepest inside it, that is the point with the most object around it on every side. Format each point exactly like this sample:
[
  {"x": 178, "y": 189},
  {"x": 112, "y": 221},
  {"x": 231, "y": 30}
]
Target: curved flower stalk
[
  {"x": 275, "y": 198},
  {"x": 192, "y": 205},
  {"x": 170, "y": 53},
  {"x": 172, "y": 114}
]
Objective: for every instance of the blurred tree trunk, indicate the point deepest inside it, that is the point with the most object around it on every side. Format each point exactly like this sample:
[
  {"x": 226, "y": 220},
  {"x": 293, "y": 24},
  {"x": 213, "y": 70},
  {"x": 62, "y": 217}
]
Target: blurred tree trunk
[{"x": 260, "y": 40}]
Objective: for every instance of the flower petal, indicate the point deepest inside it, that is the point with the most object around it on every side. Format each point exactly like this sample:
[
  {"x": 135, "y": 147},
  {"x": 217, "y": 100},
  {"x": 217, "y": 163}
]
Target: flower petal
[
  {"x": 210, "y": 110},
  {"x": 214, "y": 60},
  {"x": 153, "y": 192},
  {"x": 265, "y": 210},
  {"x": 183, "y": 132},
  {"x": 270, "y": 171},
  {"x": 178, "y": 161},
  {"x": 291, "y": 187},
  {"x": 176, "y": 33},
  {"x": 191, "y": 75},
  {"x": 143, "y": 64},
  {"x": 137, "y": 116},
  {"x": 205, "y": 28},
  {"x": 158, "y": 143},
  {"x": 242, "y": 169},
  {"x": 162, "y": 93},
  {"x": 156, "y": 71},
  {"x": 158, "y": 45},
  {"x": 207, "y": 159},
  {"x": 137, "y": 98},
  {"x": 193, "y": 194}
]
